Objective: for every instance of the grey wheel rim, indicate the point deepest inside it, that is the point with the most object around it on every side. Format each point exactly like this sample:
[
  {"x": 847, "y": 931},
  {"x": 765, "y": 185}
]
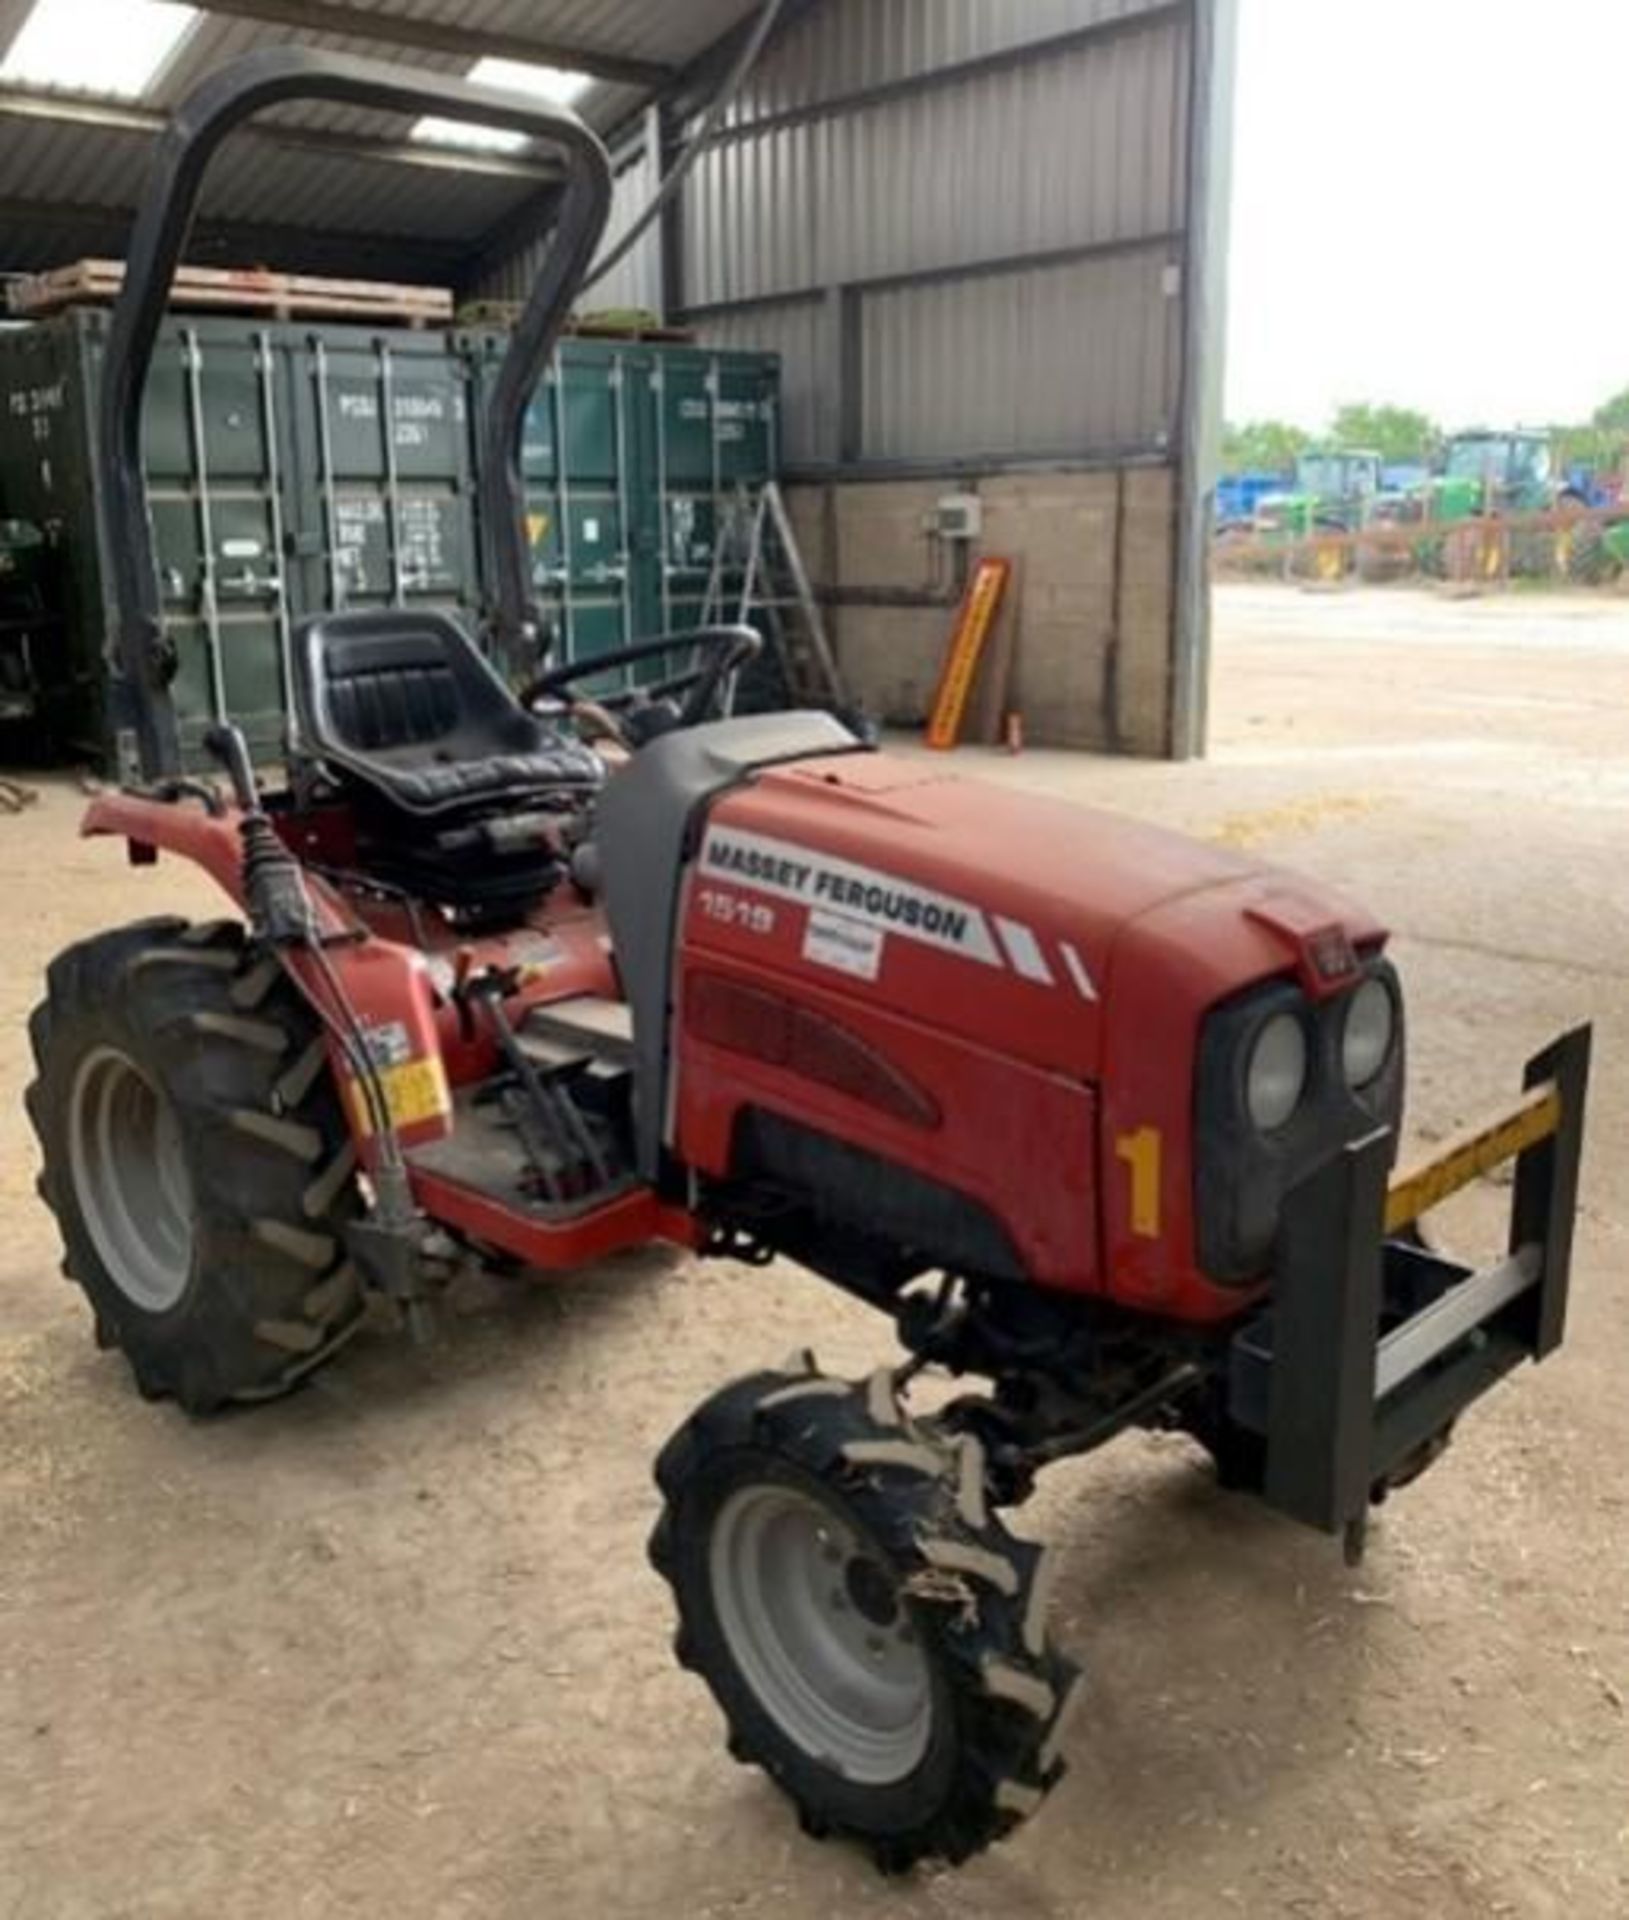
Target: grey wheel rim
[
  {"x": 818, "y": 1630},
  {"x": 130, "y": 1179}
]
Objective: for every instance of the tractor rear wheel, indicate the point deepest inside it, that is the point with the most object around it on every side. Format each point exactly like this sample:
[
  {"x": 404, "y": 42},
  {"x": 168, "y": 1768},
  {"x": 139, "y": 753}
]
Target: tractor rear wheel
[
  {"x": 1582, "y": 555},
  {"x": 197, "y": 1160},
  {"x": 875, "y": 1637}
]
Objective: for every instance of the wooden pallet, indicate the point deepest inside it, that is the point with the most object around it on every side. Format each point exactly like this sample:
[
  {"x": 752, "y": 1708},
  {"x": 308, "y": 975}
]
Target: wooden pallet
[
  {"x": 281, "y": 296},
  {"x": 629, "y": 325},
  {"x": 621, "y": 324}
]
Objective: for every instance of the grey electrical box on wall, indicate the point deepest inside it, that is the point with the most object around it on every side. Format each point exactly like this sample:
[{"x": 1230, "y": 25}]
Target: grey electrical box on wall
[{"x": 958, "y": 516}]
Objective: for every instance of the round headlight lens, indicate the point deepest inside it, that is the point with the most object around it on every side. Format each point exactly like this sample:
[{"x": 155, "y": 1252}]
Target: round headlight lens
[
  {"x": 1371, "y": 1029},
  {"x": 1277, "y": 1074}
]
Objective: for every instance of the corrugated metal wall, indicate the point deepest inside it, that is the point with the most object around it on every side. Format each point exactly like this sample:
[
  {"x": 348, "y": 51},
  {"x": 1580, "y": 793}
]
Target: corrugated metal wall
[
  {"x": 1045, "y": 361},
  {"x": 634, "y": 282},
  {"x": 960, "y": 221},
  {"x": 985, "y": 235},
  {"x": 849, "y": 45},
  {"x": 1075, "y": 149},
  {"x": 794, "y": 331}
]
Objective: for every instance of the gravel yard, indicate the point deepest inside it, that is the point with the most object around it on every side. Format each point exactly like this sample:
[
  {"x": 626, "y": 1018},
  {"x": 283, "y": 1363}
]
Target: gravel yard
[{"x": 391, "y": 1646}]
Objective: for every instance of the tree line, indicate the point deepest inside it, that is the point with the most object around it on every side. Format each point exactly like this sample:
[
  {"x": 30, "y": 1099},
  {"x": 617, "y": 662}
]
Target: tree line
[{"x": 1402, "y": 437}]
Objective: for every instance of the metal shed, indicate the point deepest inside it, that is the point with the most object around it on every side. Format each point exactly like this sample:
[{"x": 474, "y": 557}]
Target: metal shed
[{"x": 986, "y": 239}]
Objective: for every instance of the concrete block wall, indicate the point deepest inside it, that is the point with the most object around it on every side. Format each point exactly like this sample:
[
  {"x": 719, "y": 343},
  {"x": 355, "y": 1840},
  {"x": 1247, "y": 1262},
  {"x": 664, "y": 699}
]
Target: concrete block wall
[{"x": 1092, "y": 605}]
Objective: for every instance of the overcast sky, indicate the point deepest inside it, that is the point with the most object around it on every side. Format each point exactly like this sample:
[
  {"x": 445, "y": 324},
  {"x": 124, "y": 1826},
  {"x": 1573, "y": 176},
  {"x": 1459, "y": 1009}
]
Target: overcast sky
[{"x": 1431, "y": 208}]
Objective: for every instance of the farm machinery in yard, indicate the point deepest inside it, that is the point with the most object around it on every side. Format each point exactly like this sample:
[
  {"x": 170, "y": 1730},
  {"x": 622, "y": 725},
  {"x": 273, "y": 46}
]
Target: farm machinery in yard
[
  {"x": 1332, "y": 493},
  {"x": 1484, "y": 472},
  {"x": 1102, "y": 1119},
  {"x": 1492, "y": 475}
]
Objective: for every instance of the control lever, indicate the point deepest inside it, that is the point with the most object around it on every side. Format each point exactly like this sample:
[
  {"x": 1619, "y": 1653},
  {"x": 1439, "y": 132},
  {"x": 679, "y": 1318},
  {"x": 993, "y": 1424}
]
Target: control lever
[{"x": 227, "y": 744}]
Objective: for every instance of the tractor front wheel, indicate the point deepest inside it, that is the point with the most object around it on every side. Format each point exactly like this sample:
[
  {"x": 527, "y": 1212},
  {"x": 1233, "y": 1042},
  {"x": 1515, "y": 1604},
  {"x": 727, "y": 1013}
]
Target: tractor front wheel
[
  {"x": 873, "y": 1634},
  {"x": 197, "y": 1160}
]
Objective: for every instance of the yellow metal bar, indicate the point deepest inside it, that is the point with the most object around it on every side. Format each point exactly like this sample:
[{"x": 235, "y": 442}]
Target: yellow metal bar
[{"x": 1469, "y": 1155}]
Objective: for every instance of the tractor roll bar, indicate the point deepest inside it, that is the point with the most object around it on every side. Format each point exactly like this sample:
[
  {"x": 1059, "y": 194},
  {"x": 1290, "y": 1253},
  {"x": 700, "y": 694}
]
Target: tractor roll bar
[{"x": 209, "y": 113}]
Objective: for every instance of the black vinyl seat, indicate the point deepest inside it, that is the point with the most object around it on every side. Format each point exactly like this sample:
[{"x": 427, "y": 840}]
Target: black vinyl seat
[{"x": 455, "y": 784}]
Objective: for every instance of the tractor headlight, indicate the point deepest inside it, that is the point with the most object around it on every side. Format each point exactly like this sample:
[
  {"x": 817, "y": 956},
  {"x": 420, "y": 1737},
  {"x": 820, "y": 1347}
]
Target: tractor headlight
[
  {"x": 1369, "y": 1032},
  {"x": 1276, "y": 1075},
  {"x": 1283, "y": 1081}
]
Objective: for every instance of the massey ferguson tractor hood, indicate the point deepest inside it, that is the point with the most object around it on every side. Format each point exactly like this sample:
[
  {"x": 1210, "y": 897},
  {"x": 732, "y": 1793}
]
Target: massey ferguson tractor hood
[{"x": 1042, "y": 904}]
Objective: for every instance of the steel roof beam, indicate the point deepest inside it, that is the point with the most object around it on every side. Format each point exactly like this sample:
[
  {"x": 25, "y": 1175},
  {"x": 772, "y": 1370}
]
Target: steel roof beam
[
  {"x": 443, "y": 36},
  {"x": 31, "y": 228},
  {"x": 684, "y": 89},
  {"x": 119, "y": 116},
  {"x": 698, "y": 80}
]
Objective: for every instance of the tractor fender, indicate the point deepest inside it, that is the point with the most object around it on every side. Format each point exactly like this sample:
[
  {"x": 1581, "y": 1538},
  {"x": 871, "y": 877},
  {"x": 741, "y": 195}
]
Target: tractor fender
[
  {"x": 387, "y": 986},
  {"x": 211, "y": 841}
]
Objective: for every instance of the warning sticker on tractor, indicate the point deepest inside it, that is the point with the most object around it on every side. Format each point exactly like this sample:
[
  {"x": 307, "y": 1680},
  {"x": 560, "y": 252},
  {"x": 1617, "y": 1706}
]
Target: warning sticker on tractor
[
  {"x": 850, "y": 946},
  {"x": 857, "y": 894},
  {"x": 415, "y": 1090}
]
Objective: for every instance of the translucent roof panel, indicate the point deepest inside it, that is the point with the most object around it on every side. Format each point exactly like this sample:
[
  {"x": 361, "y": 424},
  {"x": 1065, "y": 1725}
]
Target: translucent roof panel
[
  {"x": 110, "y": 48},
  {"x": 556, "y": 84}
]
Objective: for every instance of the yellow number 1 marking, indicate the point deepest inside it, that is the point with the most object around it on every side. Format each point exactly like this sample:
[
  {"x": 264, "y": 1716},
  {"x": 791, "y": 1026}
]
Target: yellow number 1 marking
[{"x": 1141, "y": 1153}]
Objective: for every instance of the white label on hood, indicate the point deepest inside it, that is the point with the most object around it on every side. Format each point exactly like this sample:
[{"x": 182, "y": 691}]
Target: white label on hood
[
  {"x": 850, "y": 946},
  {"x": 792, "y": 872}
]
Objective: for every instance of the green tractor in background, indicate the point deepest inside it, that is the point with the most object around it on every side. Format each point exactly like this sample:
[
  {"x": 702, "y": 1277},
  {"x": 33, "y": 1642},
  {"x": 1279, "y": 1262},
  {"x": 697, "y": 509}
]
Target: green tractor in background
[
  {"x": 1483, "y": 472},
  {"x": 1333, "y": 492},
  {"x": 1491, "y": 473},
  {"x": 1488, "y": 472}
]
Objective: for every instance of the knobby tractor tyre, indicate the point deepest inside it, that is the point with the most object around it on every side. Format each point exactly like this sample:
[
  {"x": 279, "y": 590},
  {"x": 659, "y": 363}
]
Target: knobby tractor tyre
[
  {"x": 874, "y": 1635},
  {"x": 1582, "y": 555},
  {"x": 197, "y": 1160}
]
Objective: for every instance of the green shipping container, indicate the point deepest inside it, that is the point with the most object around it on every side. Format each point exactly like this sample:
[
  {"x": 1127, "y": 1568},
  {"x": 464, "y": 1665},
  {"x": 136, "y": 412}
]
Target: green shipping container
[
  {"x": 634, "y": 455},
  {"x": 278, "y": 492}
]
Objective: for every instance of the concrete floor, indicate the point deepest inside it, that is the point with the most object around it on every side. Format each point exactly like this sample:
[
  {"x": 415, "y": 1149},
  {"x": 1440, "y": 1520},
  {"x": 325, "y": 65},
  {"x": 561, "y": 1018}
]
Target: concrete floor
[{"x": 390, "y": 1647}]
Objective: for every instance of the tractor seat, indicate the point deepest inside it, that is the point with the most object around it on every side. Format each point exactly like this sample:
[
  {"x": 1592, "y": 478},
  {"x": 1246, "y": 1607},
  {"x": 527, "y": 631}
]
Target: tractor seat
[
  {"x": 402, "y": 702},
  {"x": 455, "y": 784}
]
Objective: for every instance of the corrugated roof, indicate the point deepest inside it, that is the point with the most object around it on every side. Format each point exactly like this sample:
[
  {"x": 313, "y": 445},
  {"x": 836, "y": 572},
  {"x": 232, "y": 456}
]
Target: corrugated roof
[{"x": 66, "y": 187}]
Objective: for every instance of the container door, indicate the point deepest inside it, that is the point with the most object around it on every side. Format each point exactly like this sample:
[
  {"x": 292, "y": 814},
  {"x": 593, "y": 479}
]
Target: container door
[
  {"x": 211, "y": 428},
  {"x": 716, "y": 446},
  {"x": 382, "y": 505},
  {"x": 642, "y": 492},
  {"x": 591, "y": 395},
  {"x": 688, "y": 479},
  {"x": 539, "y": 465},
  {"x": 55, "y": 672},
  {"x": 747, "y": 423},
  {"x": 628, "y": 449}
]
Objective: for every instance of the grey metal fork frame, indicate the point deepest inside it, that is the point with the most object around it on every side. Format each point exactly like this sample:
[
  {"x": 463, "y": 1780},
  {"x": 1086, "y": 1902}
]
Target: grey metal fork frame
[
  {"x": 144, "y": 714},
  {"x": 1345, "y": 1406}
]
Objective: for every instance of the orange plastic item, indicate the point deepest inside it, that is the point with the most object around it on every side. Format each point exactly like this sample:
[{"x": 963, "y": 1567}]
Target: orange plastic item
[{"x": 974, "y": 621}]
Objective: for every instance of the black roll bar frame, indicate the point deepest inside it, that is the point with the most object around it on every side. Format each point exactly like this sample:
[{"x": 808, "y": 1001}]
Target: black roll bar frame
[{"x": 143, "y": 710}]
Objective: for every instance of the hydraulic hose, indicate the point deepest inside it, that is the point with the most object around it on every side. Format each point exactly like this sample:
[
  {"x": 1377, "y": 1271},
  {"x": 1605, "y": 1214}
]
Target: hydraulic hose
[{"x": 680, "y": 170}]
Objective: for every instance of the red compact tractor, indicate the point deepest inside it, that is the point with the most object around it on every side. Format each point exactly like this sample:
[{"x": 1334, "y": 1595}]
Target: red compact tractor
[{"x": 1103, "y": 1120}]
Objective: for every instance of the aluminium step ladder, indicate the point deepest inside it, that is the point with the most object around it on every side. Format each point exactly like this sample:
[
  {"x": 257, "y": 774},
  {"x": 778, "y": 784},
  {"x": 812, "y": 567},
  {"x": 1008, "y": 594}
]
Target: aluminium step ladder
[{"x": 758, "y": 579}]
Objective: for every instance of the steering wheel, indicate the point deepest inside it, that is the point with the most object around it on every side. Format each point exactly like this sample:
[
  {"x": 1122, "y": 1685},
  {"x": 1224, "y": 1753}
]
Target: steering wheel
[{"x": 728, "y": 648}]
